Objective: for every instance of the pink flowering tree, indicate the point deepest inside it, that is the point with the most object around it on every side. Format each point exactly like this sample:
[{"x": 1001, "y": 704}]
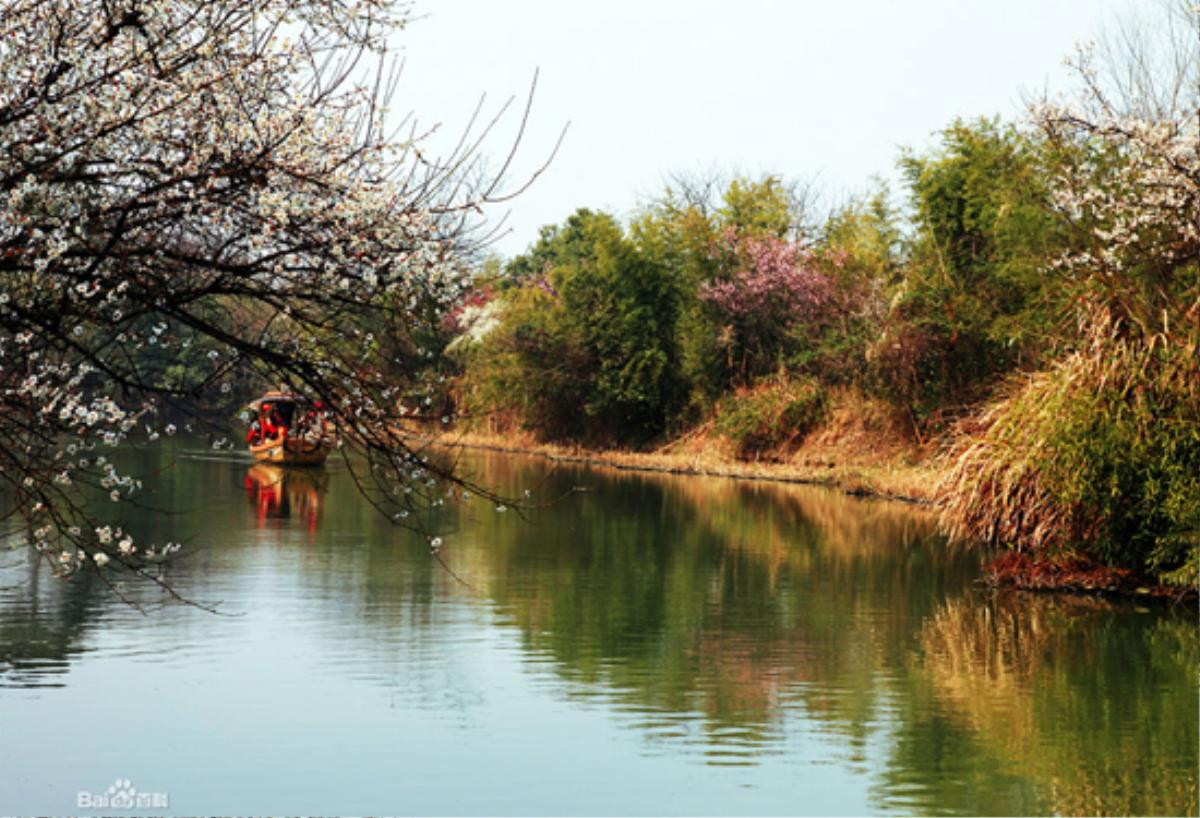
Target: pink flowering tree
[
  {"x": 776, "y": 288},
  {"x": 215, "y": 175}
]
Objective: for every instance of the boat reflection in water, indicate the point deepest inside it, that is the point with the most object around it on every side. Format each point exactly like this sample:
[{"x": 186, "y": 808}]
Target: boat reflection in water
[{"x": 282, "y": 493}]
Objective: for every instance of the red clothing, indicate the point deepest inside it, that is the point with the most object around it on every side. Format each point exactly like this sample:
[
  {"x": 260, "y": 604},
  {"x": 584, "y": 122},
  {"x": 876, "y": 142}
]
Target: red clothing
[{"x": 274, "y": 426}]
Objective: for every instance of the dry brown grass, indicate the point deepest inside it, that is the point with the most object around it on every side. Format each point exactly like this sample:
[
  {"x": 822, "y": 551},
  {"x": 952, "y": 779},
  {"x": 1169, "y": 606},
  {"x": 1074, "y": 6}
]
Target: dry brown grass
[
  {"x": 1020, "y": 473},
  {"x": 861, "y": 449}
]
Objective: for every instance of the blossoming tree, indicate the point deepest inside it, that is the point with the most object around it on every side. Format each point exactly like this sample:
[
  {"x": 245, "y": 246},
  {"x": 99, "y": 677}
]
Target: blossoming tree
[
  {"x": 775, "y": 285},
  {"x": 178, "y": 175}
]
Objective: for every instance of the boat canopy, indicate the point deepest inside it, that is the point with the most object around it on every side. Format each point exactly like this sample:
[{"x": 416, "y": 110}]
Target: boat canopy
[{"x": 277, "y": 398}]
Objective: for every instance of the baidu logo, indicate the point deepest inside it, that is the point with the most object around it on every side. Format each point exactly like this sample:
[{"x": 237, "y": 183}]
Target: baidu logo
[{"x": 121, "y": 795}]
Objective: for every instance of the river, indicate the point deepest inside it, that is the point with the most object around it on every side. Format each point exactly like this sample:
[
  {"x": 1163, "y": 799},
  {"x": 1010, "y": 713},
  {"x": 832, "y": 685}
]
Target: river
[{"x": 635, "y": 643}]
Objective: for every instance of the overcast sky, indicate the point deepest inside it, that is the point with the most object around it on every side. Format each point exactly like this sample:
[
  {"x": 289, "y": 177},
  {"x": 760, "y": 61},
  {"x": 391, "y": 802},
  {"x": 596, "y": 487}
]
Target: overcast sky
[{"x": 804, "y": 89}]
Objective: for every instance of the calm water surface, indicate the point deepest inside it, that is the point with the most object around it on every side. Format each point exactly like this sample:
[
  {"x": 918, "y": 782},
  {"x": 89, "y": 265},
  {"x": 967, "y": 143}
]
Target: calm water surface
[{"x": 645, "y": 644}]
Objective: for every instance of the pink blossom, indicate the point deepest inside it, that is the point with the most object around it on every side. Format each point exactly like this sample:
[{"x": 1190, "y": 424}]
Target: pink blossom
[{"x": 775, "y": 280}]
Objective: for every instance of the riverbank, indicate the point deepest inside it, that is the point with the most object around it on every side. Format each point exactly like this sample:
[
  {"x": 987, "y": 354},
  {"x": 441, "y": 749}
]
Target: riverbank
[
  {"x": 860, "y": 449},
  {"x": 894, "y": 481}
]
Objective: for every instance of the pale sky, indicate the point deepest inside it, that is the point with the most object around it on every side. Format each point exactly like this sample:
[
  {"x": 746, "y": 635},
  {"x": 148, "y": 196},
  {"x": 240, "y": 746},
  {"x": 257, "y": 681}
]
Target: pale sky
[{"x": 803, "y": 89}]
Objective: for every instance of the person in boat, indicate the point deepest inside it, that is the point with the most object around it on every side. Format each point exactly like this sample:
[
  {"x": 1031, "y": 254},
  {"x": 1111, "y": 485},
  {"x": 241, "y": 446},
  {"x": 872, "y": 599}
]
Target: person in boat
[
  {"x": 254, "y": 436},
  {"x": 268, "y": 428},
  {"x": 273, "y": 425},
  {"x": 313, "y": 423}
]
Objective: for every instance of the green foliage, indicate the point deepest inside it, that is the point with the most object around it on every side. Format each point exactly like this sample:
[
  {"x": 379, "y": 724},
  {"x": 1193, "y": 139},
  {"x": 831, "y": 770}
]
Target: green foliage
[
  {"x": 974, "y": 297},
  {"x": 679, "y": 236},
  {"x": 606, "y": 336},
  {"x": 771, "y": 415},
  {"x": 586, "y": 348},
  {"x": 759, "y": 207},
  {"x": 529, "y": 367},
  {"x": 866, "y": 232},
  {"x": 559, "y": 245},
  {"x": 622, "y": 309},
  {"x": 1099, "y": 454},
  {"x": 859, "y": 252}
]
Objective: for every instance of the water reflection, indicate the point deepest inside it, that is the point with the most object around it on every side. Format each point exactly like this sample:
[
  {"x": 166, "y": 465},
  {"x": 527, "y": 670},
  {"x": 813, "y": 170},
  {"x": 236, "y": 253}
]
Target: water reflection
[
  {"x": 732, "y": 600},
  {"x": 810, "y": 652},
  {"x": 43, "y": 622},
  {"x": 279, "y": 493},
  {"x": 1094, "y": 701}
]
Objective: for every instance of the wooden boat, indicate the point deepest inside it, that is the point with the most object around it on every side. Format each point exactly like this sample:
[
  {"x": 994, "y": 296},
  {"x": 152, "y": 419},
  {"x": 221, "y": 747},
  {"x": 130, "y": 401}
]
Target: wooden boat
[{"x": 289, "y": 430}]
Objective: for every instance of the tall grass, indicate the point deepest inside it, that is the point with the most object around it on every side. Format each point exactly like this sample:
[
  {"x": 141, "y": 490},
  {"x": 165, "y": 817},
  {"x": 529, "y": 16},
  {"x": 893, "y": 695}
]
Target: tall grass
[{"x": 1097, "y": 457}]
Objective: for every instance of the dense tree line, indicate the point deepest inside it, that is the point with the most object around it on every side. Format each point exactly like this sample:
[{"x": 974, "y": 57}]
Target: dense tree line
[
  {"x": 620, "y": 335},
  {"x": 1033, "y": 304}
]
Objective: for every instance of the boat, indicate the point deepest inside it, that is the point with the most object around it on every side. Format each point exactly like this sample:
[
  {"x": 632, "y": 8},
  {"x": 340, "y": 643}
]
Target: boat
[{"x": 289, "y": 430}]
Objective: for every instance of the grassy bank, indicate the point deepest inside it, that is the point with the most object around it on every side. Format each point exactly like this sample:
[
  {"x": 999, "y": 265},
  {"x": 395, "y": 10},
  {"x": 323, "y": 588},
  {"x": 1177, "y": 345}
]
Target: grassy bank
[
  {"x": 893, "y": 481},
  {"x": 860, "y": 449}
]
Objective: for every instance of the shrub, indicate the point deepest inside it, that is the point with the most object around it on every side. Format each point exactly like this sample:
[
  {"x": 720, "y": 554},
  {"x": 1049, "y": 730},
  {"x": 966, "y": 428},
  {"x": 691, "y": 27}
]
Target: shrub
[
  {"x": 1100, "y": 455},
  {"x": 526, "y": 369},
  {"x": 769, "y": 416},
  {"x": 974, "y": 298}
]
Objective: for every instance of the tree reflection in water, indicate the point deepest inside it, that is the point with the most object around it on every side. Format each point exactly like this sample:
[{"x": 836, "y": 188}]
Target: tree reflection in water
[
  {"x": 1094, "y": 701},
  {"x": 744, "y": 603}
]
